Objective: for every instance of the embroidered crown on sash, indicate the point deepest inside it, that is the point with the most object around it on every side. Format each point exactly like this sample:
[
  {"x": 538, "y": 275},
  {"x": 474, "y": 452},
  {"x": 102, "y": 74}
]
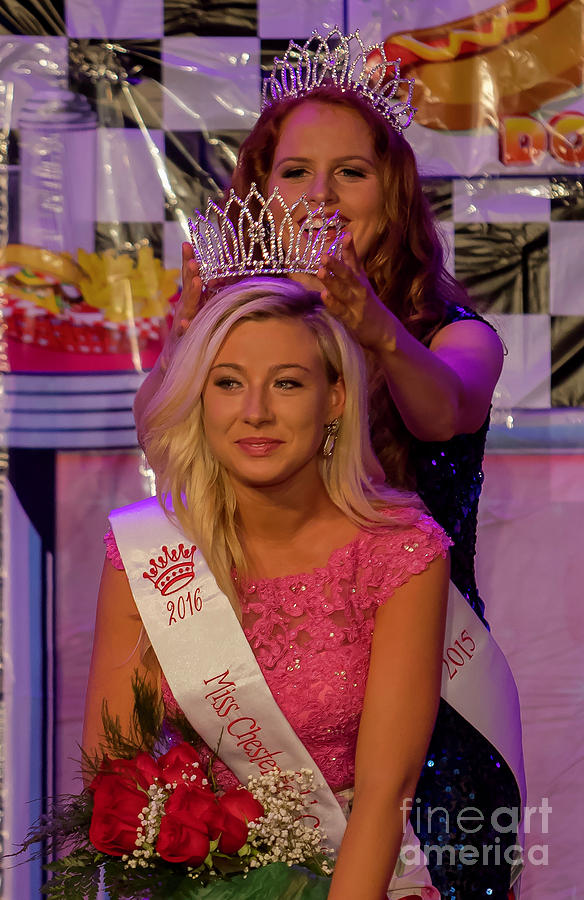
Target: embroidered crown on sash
[{"x": 173, "y": 569}]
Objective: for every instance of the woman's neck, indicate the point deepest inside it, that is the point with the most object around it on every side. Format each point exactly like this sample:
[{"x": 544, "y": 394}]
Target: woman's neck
[
  {"x": 276, "y": 513},
  {"x": 283, "y": 529}
]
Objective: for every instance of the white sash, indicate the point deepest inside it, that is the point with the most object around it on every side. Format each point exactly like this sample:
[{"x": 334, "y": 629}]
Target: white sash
[
  {"x": 478, "y": 683},
  {"x": 218, "y": 684},
  {"x": 207, "y": 660}
]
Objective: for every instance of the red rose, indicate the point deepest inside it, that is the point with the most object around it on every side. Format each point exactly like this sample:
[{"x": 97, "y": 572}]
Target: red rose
[
  {"x": 142, "y": 770},
  {"x": 191, "y": 818},
  {"x": 180, "y": 760},
  {"x": 180, "y": 843},
  {"x": 117, "y": 803},
  {"x": 233, "y": 833},
  {"x": 110, "y": 767},
  {"x": 242, "y": 804},
  {"x": 237, "y": 807},
  {"x": 195, "y": 806},
  {"x": 148, "y": 769}
]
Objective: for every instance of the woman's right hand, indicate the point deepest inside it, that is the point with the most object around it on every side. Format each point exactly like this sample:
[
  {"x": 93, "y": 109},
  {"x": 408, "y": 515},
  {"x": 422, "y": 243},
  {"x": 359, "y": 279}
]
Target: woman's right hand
[
  {"x": 186, "y": 309},
  {"x": 188, "y": 303}
]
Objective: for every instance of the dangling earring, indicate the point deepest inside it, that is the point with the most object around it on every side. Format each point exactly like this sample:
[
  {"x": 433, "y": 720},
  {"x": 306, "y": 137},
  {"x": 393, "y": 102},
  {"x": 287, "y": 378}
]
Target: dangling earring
[{"x": 332, "y": 430}]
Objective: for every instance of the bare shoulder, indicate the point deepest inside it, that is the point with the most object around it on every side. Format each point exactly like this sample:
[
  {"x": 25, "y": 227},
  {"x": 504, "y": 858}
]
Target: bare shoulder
[
  {"x": 472, "y": 336},
  {"x": 115, "y": 599},
  {"x": 473, "y": 351}
]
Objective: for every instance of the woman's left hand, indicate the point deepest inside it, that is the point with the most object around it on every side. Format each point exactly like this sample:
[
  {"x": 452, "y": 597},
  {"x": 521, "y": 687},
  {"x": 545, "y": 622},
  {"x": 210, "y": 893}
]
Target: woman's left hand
[
  {"x": 348, "y": 295},
  {"x": 440, "y": 390}
]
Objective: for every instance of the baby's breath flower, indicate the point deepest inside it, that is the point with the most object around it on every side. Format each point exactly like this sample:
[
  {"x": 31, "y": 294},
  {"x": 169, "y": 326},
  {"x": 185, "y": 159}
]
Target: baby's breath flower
[
  {"x": 280, "y": 835},
  {"x": 149, "y": 826}
]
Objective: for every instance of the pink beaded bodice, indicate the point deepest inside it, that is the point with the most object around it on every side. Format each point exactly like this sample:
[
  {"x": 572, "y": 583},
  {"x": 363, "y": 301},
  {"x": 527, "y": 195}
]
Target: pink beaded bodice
[{"x": 311, "y": 633}]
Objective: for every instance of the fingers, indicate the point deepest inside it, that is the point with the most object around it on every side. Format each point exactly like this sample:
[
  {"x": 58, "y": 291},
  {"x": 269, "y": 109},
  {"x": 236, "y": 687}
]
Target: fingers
[
  {"x": 346, "y": 271},
  {"x": 190, "y": 266},
  {"x": 187, "y": 252},
  {"x": 181, "y": 327},
  {"x": 189, "y": 301},
  {"x": 332, "y": 285},
  {"x": 187, "y": 256},
  {"x": 338, "y": 309},
  {"x": 335, "y": 268},
  {"x": 344, "y": 291},
  {"x": 340, "y": 281},
  {"x": 191, "y": 282},
  {"x": 188, "y": 305},
  {"x": 349, "y": 254}
]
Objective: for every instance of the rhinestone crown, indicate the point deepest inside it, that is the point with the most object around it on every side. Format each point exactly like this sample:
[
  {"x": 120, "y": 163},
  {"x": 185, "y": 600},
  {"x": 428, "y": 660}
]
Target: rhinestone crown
[
  {"x": 346, "y": 62},
  {"x": 244, "y": 238}
]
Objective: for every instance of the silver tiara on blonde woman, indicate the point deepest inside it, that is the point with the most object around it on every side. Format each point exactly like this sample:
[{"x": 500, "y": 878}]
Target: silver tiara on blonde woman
[
  {"x": 259, "y": 236},
  {"x": 346, "y": 62}
]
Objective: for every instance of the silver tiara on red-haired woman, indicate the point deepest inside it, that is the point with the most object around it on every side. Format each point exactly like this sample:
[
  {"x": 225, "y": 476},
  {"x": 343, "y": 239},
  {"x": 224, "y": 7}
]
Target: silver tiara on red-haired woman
[
  {"x": 347, "y": 63},
  {"x": 259, "y": 236}
]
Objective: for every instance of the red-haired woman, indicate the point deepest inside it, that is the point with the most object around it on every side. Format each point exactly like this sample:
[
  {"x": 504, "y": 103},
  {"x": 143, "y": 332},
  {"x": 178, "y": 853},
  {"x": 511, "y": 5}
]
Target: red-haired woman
[{"x": 433, "y": 368}]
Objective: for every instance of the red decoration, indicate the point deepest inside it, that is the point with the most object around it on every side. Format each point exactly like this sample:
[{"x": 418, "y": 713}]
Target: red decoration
[{"x": 172, "y": 570}]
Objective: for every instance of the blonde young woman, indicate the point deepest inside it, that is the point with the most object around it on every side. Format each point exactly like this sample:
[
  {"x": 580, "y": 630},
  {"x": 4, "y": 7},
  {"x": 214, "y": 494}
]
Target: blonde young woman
[{"x": 259, "y": 436}]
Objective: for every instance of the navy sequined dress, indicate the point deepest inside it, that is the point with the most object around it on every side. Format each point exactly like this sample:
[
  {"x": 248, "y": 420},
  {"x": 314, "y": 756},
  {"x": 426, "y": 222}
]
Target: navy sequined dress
[{"x": 462, "y": 769}]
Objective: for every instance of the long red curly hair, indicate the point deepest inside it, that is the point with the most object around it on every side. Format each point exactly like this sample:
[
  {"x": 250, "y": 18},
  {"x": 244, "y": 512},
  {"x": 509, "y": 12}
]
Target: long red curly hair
[{"x": 405, "y": 264}]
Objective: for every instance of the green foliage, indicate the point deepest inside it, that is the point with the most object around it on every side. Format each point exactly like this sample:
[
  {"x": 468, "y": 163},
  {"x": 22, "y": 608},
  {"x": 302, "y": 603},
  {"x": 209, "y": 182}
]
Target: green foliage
[
  {"x": 74, "y": 879},
  {"x": 179, "y": 723},
  {"x": 65, "y": 826},
  {"x": 144, "y": 726},
  {"x": 76, "y": 875}
]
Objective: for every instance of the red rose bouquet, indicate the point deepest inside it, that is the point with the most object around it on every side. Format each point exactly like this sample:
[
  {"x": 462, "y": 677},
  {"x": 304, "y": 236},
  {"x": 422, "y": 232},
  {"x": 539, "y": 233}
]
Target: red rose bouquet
[{"x": 155, "y": 825}]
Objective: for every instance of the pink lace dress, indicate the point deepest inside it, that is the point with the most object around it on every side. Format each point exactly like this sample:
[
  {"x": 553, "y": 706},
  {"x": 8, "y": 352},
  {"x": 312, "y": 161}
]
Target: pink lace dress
[{"x": 311, "y": 634}]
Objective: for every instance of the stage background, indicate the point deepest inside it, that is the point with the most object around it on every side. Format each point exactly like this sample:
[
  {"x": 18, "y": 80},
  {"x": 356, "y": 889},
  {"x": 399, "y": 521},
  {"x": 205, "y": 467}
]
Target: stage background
[{"x": 116, "y": 120}]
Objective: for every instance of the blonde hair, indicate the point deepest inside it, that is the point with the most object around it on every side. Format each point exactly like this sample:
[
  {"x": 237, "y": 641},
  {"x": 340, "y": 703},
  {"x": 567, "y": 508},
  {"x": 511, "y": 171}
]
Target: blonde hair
[{"x": 172, "y": 431}]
